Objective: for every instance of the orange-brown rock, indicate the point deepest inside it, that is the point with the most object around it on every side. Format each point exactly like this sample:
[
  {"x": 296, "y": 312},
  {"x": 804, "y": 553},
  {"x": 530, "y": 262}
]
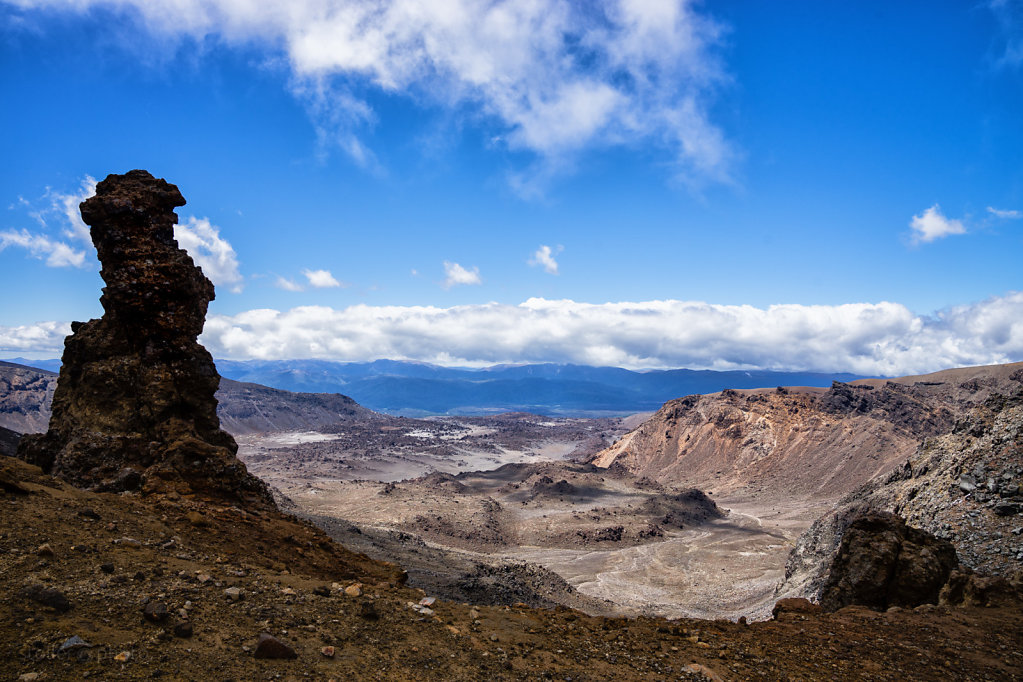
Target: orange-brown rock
[{"x": 134, "y": 406}]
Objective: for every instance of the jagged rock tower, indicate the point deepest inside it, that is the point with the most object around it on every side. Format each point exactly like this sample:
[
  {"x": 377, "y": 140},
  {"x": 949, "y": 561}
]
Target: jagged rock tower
[{"x": 135, "y": 405}]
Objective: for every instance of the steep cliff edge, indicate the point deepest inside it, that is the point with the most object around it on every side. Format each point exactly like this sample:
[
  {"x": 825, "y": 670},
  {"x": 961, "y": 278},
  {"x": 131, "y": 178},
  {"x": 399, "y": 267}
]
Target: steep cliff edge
[{"x": 134, "y": 406}]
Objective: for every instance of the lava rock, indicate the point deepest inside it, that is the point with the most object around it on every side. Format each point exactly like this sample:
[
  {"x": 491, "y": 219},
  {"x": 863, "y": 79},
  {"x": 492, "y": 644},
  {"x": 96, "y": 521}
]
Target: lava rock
[
  {"x": 269, "y": 646},
  {"x": 155, "y": 612},
  {"x": 47, "y": 596},
  {"x": 882, "y": 562},
  {"x": 134, "y": 407}
]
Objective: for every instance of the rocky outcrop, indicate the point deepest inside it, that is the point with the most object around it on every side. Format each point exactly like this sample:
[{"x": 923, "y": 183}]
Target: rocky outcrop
[
  {"x": 134, "y": 406},
  {"x": 963, "y": 486},
  {"x": 882, "y": 562},
  {"x": 25, "y": 395},
  {"x": 26, "y": 392},
  {"x": 8, "y": 442}
]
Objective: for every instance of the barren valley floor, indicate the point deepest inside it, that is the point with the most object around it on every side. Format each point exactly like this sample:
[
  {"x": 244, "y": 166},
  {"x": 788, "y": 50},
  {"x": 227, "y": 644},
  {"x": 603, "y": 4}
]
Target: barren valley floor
[{"x": 602, "y": 533}]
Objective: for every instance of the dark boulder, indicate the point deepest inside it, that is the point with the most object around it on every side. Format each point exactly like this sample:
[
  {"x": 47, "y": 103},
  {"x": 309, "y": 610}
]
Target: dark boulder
[{"x": 882, "y": 562}]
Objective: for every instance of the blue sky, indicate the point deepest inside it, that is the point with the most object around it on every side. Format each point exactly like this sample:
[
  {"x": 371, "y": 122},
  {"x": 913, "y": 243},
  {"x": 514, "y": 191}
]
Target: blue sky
[{"x": 826, "y": 186}]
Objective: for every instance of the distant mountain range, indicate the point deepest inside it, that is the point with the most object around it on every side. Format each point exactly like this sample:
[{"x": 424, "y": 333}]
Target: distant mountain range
[{"x": 419, "y": 389}]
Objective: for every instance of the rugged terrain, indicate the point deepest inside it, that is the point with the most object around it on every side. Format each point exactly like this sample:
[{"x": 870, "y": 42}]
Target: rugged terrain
[
  {"x": 79, "y": 569},
  {"x": 963, "y": 486},
  {"x": 807, "y": 442},
  {"x": 26, "y": 394}
]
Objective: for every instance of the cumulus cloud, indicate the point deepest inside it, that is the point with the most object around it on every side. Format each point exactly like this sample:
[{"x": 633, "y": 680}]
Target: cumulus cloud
[
  {"x": 56, "y": 254},
  {"x": 866, "y": 338},
  {"x": 550, "y": 78},
  {"x": 287, "y": 284},
  {"x": 544, "y": 257},
  {"x": 41, "y": 337},
  {"x": 932, "y": 224},
  {"x": 455, "y": 274},
  {"x": 210, "y": 251},
  {"x": 55, "y": 211},
  {"x": 1004, "y": 213},
  {"x": 321, "y": 279}
]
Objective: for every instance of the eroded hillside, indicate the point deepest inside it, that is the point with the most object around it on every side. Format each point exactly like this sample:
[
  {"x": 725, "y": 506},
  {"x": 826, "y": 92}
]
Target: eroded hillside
[{"x": 816, "y": 443}]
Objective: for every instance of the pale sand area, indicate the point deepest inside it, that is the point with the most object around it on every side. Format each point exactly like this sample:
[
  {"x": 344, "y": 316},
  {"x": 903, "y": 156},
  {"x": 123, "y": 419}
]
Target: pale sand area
[{"x": 725, "y": 568}]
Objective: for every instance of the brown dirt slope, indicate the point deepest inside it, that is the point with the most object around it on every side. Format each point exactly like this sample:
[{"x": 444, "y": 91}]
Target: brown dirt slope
[
  {"x": 75, "y": 564},
  {"x": 802, "y": 441}
]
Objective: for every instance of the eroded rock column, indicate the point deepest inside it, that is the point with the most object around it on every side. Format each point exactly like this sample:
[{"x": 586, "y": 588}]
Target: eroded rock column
[{"x": 135, "y": 405}]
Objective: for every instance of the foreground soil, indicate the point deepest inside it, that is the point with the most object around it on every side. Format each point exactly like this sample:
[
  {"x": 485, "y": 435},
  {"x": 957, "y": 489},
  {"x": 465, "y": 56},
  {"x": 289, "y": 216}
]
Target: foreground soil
[{"x": 111, "y": 556}]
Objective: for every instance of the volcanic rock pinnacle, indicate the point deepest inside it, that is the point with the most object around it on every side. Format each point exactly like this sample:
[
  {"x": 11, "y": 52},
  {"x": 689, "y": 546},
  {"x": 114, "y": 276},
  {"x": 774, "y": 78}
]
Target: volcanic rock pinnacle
[{"x": 135, "y": 406}]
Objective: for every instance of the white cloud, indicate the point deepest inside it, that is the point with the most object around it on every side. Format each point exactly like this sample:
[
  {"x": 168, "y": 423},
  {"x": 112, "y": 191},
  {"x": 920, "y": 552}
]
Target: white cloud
[
  {"x": 67, "y": 205},
  {"x": 321, "y": 279},
  {"x": 544, "y": 257},
  {"x": 287, "y": 284},
  {"x": 41, "y": 337},
  {"x": 57, "y": 254},
  {"x": 866, "y": 338},
  {"x": 932, "y": 224},
  {"x": 1004, "y": 213},
  {"x": 549, "y": 77},
  {"x": 210, "y": 251},
  {"x": 455, "y": 274}
]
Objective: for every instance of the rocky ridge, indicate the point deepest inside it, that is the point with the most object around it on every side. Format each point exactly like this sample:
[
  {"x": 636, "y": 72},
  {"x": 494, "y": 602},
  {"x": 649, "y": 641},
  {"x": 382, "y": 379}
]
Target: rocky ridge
[{"x": 802, "y": 441}]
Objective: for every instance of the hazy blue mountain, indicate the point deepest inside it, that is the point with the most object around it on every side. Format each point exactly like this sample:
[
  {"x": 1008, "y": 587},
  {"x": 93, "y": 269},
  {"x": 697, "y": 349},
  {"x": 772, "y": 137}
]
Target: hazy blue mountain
[{"x": 415, "y": 389}]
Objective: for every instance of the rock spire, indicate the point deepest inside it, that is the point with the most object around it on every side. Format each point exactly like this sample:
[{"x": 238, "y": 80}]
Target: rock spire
[{"x": 134, "y": 407}]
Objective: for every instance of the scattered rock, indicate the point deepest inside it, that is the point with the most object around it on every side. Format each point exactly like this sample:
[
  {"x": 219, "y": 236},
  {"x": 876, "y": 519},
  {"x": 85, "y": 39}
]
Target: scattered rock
[
  {"x": 794, "y": 605},
  {"x": 234, "y": 593},
  {"x": 44, "y": 550},
  {"x": 47, "y": 596},
  {"x": 30, "y": 677},
  {"x": 155, "y": 612},
  {"x": 321, "y": 590},
  {"x": 269, "y": 646},
  {"x": 368, "y": 611},
  {"x": 73, "y": 643},
  {"x": 1007, "y": 508},
  {"x": 123, "y": 657},
  {"x": 106, "y": 568},
  {"x": 327, "y": 651},
  {"x": 183, "y": 630},
  {"x": 197, "y": 519},
  {"x": 354, "y": 590}
]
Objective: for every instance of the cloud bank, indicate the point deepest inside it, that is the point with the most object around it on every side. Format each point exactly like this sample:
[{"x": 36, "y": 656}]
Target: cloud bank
[
  {"x": 865, "y": 338},
  {"x": 549, "y": 77}
]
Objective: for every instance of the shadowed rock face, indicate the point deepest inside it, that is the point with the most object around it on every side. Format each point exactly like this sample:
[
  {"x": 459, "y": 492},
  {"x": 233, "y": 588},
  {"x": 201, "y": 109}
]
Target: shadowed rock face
[
  {"x": 134, "y": 406},
  {"x": 882, "y": 562}
]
